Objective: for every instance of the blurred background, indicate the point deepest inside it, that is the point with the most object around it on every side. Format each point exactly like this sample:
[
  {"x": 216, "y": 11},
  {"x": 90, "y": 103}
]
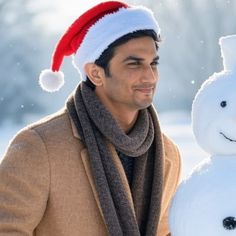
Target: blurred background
[{"x": 189, "y": 54}]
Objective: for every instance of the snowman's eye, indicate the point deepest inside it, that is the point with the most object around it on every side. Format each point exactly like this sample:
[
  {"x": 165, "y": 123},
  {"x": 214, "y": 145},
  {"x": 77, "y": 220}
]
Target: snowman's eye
[
  {"x": 223, "y": 104},
  {"x": 229, "y": 223}
]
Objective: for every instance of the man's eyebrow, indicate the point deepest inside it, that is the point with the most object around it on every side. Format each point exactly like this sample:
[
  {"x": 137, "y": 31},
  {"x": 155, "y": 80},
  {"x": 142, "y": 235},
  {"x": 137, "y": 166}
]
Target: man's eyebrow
[
  {"x": 156, "y": 58},
  {"x": 134, "y": 58}
]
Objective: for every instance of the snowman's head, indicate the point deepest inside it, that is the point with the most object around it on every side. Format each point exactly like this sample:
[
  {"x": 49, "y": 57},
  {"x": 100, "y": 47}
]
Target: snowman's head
[{"x": 214, "y": 107}]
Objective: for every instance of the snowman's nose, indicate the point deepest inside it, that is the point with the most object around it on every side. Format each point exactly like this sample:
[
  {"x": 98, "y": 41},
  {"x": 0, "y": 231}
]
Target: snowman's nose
[{"x": 229, "y": 223}]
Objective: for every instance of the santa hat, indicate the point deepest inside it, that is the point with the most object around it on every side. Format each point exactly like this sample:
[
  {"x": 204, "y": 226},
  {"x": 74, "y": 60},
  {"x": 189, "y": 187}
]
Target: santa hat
[
  {"x": 91, "y": 34},
  {"x": 228, "y": 52}
]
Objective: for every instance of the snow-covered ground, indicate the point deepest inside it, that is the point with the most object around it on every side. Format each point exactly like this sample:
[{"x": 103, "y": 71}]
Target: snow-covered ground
[{"x": 175, "y": 125}]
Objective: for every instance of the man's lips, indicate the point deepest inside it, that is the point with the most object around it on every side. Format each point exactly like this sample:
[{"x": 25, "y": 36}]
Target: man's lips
[
  {"x": 231, "y": 140},
  {"x": 145, "y": 90}
]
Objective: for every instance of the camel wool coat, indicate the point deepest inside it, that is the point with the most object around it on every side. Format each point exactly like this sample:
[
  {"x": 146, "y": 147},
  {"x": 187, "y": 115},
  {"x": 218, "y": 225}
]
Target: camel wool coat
[{"x": 47, "y": 188}]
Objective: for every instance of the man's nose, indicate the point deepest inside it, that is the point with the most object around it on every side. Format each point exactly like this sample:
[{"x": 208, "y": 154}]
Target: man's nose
[{"x": 149, "y": 74}]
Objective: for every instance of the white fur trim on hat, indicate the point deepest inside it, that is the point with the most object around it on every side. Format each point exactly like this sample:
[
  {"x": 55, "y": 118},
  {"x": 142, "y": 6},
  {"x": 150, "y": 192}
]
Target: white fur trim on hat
[
  {"x": 110, "y": 28},
  {"x": 51, "y": 81}
]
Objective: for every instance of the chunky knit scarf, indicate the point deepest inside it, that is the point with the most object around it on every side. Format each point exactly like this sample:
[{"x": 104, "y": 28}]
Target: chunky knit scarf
[{"x": 98, "y": 128}]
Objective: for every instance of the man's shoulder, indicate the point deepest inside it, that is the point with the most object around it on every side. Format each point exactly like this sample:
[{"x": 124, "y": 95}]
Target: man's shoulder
[
  {"x": 168, "y": 142},
  {"x": 171, "y": 150},
  {"x": 56, "y": 120},
  {"x": 56, "y": 125}
]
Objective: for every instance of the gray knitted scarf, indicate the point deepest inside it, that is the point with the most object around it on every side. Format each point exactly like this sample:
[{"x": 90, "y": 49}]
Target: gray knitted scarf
[{"x": 97, "y": 129}]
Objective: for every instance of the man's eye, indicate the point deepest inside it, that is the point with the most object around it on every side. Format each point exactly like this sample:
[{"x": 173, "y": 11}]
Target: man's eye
[
  {"x": 136, "y": 63},
  {"x": 155, "y": 63}
]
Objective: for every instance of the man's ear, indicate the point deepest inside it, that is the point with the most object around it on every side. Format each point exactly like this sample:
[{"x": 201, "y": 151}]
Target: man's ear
[{"x": 95, "y": 73}]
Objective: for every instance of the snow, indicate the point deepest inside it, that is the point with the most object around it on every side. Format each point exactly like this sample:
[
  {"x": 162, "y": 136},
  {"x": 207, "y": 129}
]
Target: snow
[
  {"x": 228, "y": 47},
  {"x": 175, "y": 124},
  {"x": 208, "y": 199}
]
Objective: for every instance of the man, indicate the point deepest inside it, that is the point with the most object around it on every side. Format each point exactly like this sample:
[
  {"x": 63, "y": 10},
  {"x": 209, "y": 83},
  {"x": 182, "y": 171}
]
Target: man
[{"x": 100, "y": 166}]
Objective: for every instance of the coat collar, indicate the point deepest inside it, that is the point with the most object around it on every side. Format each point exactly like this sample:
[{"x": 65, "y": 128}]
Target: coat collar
[{"x": 74, "y": 130}]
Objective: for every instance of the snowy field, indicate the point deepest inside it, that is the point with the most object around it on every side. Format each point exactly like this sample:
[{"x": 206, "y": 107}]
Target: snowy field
[{"x": 176, "y": 125}]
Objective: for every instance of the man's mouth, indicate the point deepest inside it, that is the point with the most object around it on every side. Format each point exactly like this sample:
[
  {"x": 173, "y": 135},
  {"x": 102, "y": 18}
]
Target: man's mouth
[
  {"x": 231, "y": 140},
  {"x": 145, "y": 90}
]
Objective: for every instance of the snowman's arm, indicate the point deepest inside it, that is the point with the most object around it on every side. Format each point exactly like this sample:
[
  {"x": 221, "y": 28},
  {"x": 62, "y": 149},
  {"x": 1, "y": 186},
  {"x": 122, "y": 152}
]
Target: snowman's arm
[{"x": 172, "y": 170}]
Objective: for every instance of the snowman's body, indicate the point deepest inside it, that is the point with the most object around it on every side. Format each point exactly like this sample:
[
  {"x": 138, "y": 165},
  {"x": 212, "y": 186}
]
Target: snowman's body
[{"x": 205, "y": 202}]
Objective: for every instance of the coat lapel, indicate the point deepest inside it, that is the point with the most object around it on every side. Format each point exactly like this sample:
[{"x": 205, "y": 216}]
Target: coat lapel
[{"x": 87, "y": 166}]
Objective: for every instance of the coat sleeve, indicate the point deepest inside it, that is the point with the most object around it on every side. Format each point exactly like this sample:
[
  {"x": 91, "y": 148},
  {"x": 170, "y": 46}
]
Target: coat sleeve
[
  {"x": 24, "y": 184},
  {"x": 172, "y": 172}
]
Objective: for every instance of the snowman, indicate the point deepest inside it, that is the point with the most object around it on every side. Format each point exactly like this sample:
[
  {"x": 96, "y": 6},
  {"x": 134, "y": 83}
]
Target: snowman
[{"x": 205, "y": 202}]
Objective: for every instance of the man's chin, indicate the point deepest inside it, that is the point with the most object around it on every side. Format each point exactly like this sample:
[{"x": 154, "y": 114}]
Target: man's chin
[{"x": 144, "y": 105}]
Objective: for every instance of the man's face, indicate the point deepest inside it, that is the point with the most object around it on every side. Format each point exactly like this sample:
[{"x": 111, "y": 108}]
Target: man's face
[{"x": 133, "y": 76}]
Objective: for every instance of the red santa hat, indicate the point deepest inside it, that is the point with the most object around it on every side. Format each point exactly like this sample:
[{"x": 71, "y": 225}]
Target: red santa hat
[{"x": 91, "y": 34}]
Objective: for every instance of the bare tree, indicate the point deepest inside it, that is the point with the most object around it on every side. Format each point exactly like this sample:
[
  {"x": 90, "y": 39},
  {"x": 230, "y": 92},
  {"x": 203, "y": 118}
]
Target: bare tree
[{"x": 20, "y": 61}]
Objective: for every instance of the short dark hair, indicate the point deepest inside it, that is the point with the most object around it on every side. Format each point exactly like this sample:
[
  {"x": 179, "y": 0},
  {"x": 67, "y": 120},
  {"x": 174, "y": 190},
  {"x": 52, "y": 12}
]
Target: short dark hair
[{"x": 107, "y": 55}]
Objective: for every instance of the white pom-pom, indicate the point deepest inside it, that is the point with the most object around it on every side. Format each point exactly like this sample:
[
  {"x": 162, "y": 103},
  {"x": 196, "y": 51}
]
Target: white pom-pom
[{"x": 51, "y": 81}]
